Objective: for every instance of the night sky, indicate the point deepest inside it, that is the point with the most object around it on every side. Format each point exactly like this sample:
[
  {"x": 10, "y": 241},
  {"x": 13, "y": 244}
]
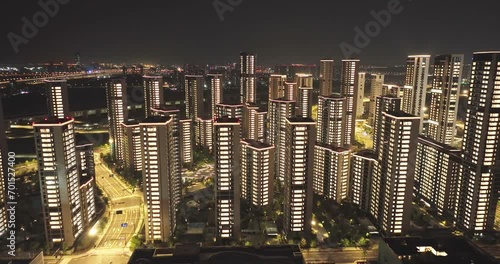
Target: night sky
[{"x": 279, "y": 31}]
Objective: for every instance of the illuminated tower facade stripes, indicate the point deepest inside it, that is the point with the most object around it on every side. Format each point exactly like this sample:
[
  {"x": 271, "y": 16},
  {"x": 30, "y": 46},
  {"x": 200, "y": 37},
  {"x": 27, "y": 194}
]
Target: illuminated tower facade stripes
[
  {"x": 279, "y": 111},
  {"x": 478, "y": 182},
  {"x": 415, "y": 88},
  {"x": 277, "y": 86},
  {"x": 204, "y": 133},
  {"x": 227, "y": 177},
  {"x": 193, "y": 88},
  {"x": 298, "y": 184},
  {"x": 326, "y": 77},
  {"x": 291, "y": 91},
  {"x": 349, "y": 85},
  {"x": 57, "y": 98},
  {"x": 117, "y": 113},
  {"x": 444, "y": 97},
  {"x": 362, "y": 167},
  {"x": 331, "y": 121},
  {"x": 377, "y": 83},
  {"x": 392, "y": 184},
  {"x": 248, "y": 78},
  {"x": 132, "y": 147},
  {"x": 362, "y": 78},
  {"x": 153, "y": 93},
  {"x": 187, "y": 141},
  {"x": 383, "y": 104},
  {"x": 159, "y": 178},
  {"x": 174, "y": 114},
  {"x": 331, "y": 172},
  {"x": 59, "y": 180},
  {"x": 436, "y": 171},
  {"x": 216, "y": 82},
  {"x": 257, "y": 172},
  {"x": 304, "y": 102}
]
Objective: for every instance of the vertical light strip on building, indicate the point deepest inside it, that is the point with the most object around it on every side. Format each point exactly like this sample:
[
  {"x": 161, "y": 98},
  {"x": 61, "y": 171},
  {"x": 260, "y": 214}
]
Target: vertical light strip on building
[{"x": 117, "y": 113}]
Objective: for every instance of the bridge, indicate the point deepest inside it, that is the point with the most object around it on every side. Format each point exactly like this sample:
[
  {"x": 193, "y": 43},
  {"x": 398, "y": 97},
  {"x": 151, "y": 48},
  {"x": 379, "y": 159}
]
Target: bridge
[{"x": 7, "y": 78}]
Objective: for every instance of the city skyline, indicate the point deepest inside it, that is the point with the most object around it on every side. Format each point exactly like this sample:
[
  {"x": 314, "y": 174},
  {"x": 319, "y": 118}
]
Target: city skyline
[
  {"x": 72, "y": 21},
  {"x": 223, "y": 130}
]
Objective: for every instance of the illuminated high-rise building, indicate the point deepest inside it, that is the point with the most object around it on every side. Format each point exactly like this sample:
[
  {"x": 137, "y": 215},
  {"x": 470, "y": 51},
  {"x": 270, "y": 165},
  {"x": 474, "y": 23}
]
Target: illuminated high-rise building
[
  {"x": 383, "y": 104},
  {"x": 57, "y": 98},
  {"x": 59, "y": 180},
  {"x": 304, "y": 103},
  {"x": 326, "y": 77},
  {"x": 415, "y": 88},
  {"x": 362, "y": 78},
  {"x": 86, "y": 172},
  {"x": 277, "y": 86},
  {"x": 331, "y": 121},
  {"x": 174, "y": 114},
  {"x": 362, "y": 166},
  {"x": 331, "y": 160},
  {"x": 298, "y": 180},
  {"x": 85, "y": 160},
  {"x": 392, "y": 90},
  {"x": 349, "y": 85},
  {"x": 301, "y": 80},
  {"x": 160, "y": 177},
  {"x": 444, "y": 97},
  {"x": 478, "y": 188},
  {"x": 4, "y": 170},
  {"x": 216, "y": 82},
  {"x": 392, "y": 182},
  {"x": 227, "y": 152},
  {"x": 153, "y": 93},
  {"x": 291, "y": 90},
  {"x": 116, "y": 92},
  {"x": 436, "y": 171},
  {"x": 187, "y": 141},
  {"x": 193, "y": 88},
  {"x": 331, "y": 171},
  {"x": 279, "y": 111},
  {"x": 255, "y": 123},
  {"x": 248, "y": 79},
  {"x": 132, "y": 148},
  {"x": 377, "y": 84},
  {"x": 229, "y": 110},
  {"x": 257, "y": 172},
  {"x": 204, "y": 132}
]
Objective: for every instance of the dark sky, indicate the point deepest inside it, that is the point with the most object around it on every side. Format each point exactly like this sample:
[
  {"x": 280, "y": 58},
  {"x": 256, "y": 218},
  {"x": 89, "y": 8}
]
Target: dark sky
[{"x": 279, "y": 31}]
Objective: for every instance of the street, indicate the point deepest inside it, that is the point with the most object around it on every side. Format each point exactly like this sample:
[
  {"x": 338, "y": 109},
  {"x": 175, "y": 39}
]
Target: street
[
  {"x": 334, "y": 256},
  {"x": 125, "y": 208}
]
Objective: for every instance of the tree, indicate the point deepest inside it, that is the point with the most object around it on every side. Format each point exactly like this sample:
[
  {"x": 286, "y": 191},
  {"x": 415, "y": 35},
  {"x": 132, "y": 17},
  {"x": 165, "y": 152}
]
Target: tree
[{"x": 365, "y": 245}]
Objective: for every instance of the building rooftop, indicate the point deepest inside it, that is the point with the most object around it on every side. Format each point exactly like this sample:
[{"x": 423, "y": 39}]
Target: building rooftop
[
  {"x": 53, "y": 120},
  {"x": 333, "y": 96},
  {"x": 443, "y": 250},
  {"x": 300, "y": 119},
  {"x": 226, "y": 119},
  {"x": 156, "y": 119},
  {"x": 332, "y": 147},
  {"x": 131, "y": 122},
  {"x": 257, "y": 144},
  {"x": 367, "y": 153},
  {"x": 195, "y": 254},
  {"x": 165, "y": 108},
  {"x": 438, "y": 145},
  {"x": 401, "y": 114},
  {"x": 282, "y": 100}
]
